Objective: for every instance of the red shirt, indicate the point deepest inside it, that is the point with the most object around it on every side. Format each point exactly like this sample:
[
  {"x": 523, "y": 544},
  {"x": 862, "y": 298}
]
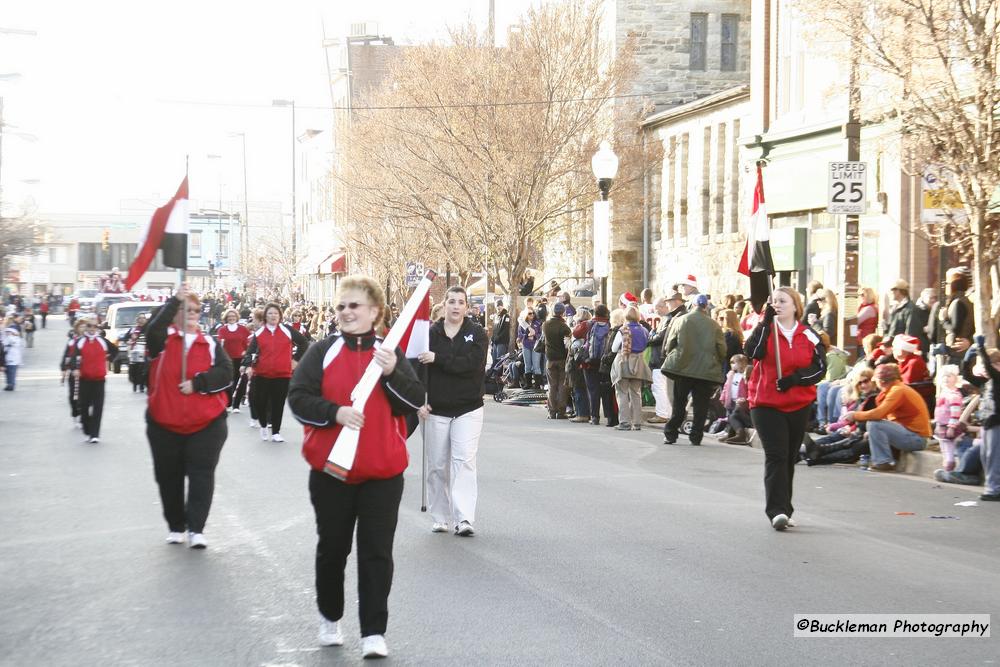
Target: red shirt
[
  {"x": 274, "y": 350},
  {"x": 913, "y": 369},
  {"x": 93, "y": 354},
  {"x": 381, "y": 443},
  {"x": 234, "y": 338},
  {"x": 799, "y": 354},
  {"x": 168, "y": 407}
]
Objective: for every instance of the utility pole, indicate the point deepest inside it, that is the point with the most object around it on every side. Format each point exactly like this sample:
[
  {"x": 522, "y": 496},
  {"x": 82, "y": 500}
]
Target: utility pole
[{"x": 852, "y": 236}]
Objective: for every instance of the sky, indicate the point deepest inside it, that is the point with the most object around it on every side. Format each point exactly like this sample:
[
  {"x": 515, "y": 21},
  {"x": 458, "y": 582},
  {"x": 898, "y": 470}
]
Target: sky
[{"x": 113, "y": 95}]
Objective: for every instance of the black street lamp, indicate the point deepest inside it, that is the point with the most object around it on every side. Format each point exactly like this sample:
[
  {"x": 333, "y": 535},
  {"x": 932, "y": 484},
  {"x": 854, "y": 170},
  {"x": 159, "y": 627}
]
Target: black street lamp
[{"x": 605, "y": 167}]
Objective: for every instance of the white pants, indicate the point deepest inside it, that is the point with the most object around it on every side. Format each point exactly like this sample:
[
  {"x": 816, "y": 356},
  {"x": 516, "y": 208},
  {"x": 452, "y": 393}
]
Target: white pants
[
  {"x": 452, "y": 444},
  {"x": 660, "y": 394}
]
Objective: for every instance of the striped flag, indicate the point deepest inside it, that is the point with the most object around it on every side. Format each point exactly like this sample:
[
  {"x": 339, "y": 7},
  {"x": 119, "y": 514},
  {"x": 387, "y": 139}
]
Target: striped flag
[
  {"x": 167, "y": 229},
  {"x": 416, "y": 338},
  {"x": 756, "y": 262}
]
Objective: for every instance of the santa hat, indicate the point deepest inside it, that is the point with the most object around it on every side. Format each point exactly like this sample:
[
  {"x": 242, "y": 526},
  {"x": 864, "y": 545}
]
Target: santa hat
[
  {"x": 627, "y": 299},
  {"x": 906, "y": 343},
  {"x": 690, "y": 280}
]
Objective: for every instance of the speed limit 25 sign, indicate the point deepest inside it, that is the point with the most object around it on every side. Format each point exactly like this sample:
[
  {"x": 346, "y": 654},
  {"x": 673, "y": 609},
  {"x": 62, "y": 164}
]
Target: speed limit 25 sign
[{"x": 846, "y": 191}]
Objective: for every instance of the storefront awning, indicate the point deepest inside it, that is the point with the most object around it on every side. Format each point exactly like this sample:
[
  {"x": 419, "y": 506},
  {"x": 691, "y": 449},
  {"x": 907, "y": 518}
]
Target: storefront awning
[{"x": 324, "y": 262}]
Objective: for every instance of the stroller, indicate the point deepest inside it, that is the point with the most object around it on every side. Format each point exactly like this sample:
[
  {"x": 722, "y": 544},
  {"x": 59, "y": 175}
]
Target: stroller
[
  {"x": 716, "y": 412},
  {"x": 498, "y": 374}
]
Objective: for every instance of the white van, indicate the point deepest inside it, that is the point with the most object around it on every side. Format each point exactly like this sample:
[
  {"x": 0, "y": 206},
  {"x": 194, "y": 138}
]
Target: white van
[{"x": 121, "y": 317}]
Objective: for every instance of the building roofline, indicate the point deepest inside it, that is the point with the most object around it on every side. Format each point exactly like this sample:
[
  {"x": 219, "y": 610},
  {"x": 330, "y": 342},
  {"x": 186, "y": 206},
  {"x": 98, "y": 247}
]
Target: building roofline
[{"x": 728, "y": 96}]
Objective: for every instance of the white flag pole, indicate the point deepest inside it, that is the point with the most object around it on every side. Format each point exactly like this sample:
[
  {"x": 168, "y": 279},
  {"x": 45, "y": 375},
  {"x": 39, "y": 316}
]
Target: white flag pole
[{"x": 341, "y": 458}]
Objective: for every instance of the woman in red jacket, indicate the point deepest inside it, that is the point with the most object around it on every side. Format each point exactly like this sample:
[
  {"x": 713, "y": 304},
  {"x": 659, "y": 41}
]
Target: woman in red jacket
[
  {"x": 274, "y": 350},
  {"x": 780, "y": 402},
  {"x": 234, "y": 338},
  {"x": 186, "y": 417},
  {"x": 320, "y": 398}
]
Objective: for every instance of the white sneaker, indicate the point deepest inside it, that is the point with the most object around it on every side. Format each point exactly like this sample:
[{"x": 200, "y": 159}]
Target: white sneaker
[
  {"x": 175, "y": 538},
  {"x": 329, "y": 632},
  {"x": 791, "y": 522},
  {"x": 779, "y": 522},
  {"x": 373, "y": 646},
  {"x": 197, "y": 541},
  {"x": 236, "y": 410},
  {"x": 94, "y": 440},
  {"x": 464, "y": 529},
  {"x": 277, "y": 438},
  {"x": 265, "y": 433},
  {"x": 439, "y": 527},
  {"x": 253, "y": 423}
]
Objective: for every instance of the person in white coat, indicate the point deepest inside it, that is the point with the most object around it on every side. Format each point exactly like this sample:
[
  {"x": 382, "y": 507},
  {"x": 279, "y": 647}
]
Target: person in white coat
[
  {"x": 13, "y": 349},
  {"x": 456, "y": 368}
]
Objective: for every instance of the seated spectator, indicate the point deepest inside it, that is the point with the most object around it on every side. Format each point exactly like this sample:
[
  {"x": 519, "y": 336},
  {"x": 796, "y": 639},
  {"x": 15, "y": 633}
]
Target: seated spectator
[
  {"x": 734, "y": 398},
  {"x": 900, "y": 419},
  {"x": 912, "y": 368},
  {"x": 948, "y": 427},
  {"x": 846, "y": 440},
  {"x": 836, "y": 371}
]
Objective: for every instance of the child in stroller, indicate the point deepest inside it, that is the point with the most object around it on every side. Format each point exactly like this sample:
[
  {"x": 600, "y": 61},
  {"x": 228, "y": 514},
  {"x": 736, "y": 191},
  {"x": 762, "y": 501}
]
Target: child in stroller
[{"x": 498, "y": 375}]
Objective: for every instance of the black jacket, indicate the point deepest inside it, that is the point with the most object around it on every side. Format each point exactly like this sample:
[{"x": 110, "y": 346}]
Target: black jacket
[
  {"x": 305, "y": 391},
  {"x": 989, "y": 416},
  {"x": 501, "y": 330},
  {"x": 455, "y": 379},
  {"x": 556, "y": 331}
]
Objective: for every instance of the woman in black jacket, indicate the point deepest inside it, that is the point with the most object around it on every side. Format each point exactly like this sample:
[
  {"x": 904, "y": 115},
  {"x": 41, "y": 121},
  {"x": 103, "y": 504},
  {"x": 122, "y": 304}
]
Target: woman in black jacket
[{"x": 456, "y": 366}]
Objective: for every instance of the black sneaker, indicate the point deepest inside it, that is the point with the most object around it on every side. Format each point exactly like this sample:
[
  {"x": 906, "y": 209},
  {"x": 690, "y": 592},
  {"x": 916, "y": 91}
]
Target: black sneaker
[{"x": 990, "y": 496}]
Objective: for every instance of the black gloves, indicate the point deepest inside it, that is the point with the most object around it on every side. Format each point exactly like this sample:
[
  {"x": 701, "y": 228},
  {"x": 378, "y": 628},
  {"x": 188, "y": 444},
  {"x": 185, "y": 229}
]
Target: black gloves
[
  {"x": 768, "y": 315},
  {"x": 786, "y": 383}
]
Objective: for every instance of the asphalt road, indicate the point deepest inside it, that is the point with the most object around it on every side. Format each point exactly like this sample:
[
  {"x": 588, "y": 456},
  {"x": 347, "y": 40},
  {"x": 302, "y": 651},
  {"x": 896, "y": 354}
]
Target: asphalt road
[{"x": 594, "y": 547}]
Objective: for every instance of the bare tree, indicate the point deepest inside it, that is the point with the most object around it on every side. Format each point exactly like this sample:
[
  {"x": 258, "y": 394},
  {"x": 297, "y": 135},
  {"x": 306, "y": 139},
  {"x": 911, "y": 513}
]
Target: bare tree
[
  {"x": 932, "y": 67},
  {"x": 19, "y": 237},
  {"x": 473, "y": 155}
]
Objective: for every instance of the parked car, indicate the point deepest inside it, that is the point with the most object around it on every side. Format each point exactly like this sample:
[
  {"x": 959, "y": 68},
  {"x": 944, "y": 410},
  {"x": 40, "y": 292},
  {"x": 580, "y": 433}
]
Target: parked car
[
  {"x": 86, "y": 299},
  {"x": 121, "y": 317}
]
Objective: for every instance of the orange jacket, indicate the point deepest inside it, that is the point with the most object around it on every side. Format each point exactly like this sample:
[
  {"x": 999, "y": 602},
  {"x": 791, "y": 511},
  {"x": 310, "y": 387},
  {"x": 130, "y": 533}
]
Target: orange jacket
[{"x": 902, "y": 405}]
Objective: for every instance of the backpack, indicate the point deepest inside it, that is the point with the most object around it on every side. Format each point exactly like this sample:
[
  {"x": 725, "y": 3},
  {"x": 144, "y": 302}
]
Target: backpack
[
  {"x": 595, "y": 341},
  {"x": 579, "y": 353}
]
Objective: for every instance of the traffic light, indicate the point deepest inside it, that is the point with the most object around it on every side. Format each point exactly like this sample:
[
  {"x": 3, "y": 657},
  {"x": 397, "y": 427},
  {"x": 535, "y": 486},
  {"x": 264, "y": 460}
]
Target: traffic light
[{"x": 105, "y": 239}]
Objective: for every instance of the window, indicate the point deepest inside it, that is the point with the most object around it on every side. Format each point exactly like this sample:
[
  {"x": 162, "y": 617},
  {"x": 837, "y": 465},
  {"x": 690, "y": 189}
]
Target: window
[
  {"x": 730, "y": 29},
  {"x": 699, "y": 41},
  {"x": 223, "y": 243},
  {"x": 94, "y": 258},
  {"x": 195, "y": 243},
  {"x": 706, "y": 183}
]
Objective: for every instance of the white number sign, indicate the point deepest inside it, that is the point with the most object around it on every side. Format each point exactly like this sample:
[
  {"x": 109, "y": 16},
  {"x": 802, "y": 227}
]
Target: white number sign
[{"x": 847, "y": 190}]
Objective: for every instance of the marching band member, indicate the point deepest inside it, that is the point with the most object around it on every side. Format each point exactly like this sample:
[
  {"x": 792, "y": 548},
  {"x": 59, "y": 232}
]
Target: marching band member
[
  {"x": 90, "y": 356},
  {"x": 235, "y": 338},
  {"x": 456, "y": 366},
  {"x": 272, "y": 360},
  {"x": 320, "y": 399},
  {"x": 186, "y": 417}
]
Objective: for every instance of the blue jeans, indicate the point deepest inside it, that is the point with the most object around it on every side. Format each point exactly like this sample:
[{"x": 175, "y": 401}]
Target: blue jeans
[
  {"x": 11, "y": 371},
  {"x": 498, "y": 351},
  {"x": 990, "y": 456},
  {"x": 883, "y": 433},
  {"x": 532, "y": 362},
  {"x": 581, "y": 401},
  {"x": 822, "y": 389}
]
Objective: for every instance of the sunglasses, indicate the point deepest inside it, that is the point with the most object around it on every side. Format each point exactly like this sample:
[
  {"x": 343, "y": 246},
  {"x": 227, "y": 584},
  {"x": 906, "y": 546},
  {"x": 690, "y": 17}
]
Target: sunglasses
[{"x": 353, "y": 305}]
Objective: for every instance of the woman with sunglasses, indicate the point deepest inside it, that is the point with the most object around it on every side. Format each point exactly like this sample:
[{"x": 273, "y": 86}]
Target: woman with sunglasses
[
  {"x": 186, "y": 417},
  {"x": 274, "y": 350},
  {"x": 320, "y": 398},
  {"x": 89, "y": 359}
]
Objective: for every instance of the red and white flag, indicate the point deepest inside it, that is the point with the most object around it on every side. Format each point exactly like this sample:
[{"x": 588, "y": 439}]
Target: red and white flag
[
  {"x": 167, "y": 230},
  {"x": 756, "y": 262},
  {"x": 417, "y": 337}
]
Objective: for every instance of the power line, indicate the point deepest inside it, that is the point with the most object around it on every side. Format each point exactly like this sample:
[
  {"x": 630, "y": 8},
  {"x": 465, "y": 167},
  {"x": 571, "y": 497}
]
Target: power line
[{"x": 411, "y": 107}]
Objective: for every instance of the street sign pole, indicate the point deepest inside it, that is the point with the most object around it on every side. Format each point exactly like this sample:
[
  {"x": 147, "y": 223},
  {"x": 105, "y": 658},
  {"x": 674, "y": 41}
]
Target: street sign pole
[{"x": 852, "y": 235}]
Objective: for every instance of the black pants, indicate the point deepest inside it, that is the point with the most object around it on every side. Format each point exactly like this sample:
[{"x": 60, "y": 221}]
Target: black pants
[
  {"x": 74, "y": 404},
  {"x": 236, "y": 390},
  {"x": 44, "y": 316},
  {"x": 700, "y": 392},
  {"x": 781, "y": 435},
  {"x": 269, "y": 396},
  {"x": 374, "y": 506},
  {"x": 91, "y": 406},
  {"x": 176, "y": 456},
  {"x": 600, "y": 391},
  {"x": 137, "y": 374}
]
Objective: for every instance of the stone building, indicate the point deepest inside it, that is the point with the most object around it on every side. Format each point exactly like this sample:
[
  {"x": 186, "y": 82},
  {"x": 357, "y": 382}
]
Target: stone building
[{"x": 686, "y": 50}]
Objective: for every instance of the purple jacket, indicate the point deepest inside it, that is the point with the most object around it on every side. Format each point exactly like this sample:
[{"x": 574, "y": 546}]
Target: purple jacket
[
  {"x": 640, "y": 337},
  {"x": 522, "y": 334}
]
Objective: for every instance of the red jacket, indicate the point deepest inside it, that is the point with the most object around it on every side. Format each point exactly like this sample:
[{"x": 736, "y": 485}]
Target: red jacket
[
  {"x": 804, "y": 360},
  {"x": 91, "y": 357},
  {"x": 272, "y": 350},
  {"x": 190, "y": 413},
  {"x": 324, "y": 381},
  {"x": 235, "y": 338},
  {"x": 913, "y": 369}
]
